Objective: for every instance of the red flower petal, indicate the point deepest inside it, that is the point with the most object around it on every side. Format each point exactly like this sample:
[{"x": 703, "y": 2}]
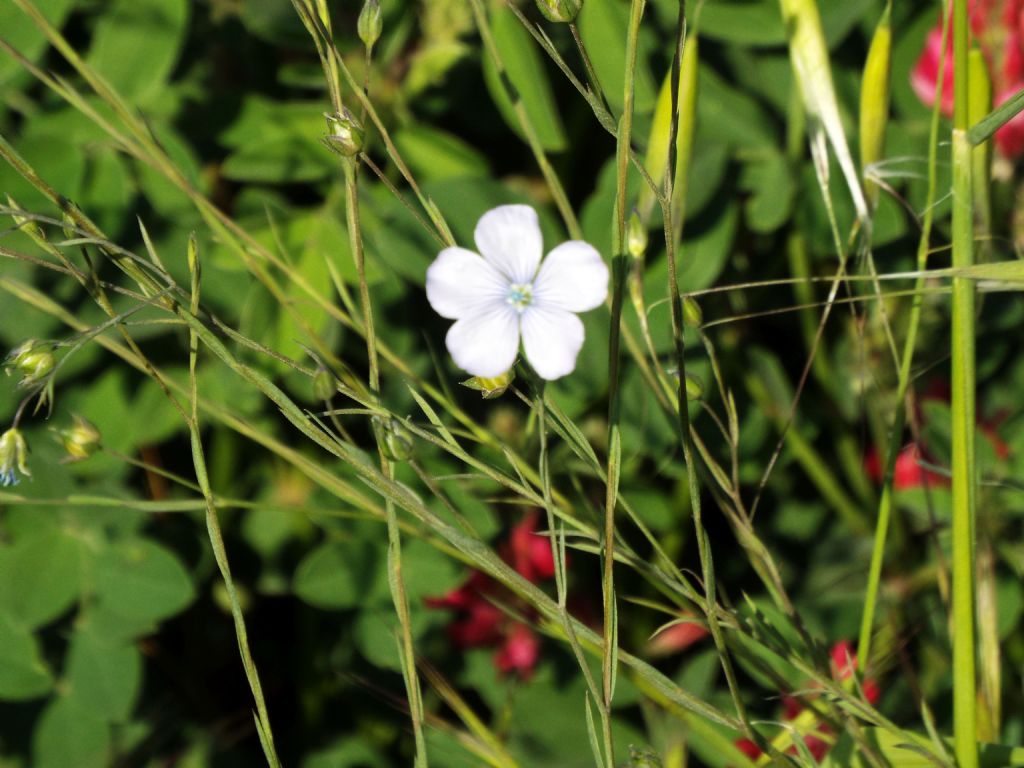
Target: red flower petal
[{"x": 519, "y": 652}]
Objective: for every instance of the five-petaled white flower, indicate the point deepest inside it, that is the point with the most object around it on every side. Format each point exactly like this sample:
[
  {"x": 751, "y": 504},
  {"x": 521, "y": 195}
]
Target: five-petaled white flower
[{"x": 509, "y": 293}]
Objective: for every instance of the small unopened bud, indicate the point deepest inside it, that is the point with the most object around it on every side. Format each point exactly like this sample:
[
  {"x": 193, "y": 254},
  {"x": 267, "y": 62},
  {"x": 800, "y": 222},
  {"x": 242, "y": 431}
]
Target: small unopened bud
[
  {"x": 636, "y": 237},
  {"x": 346, "y": 134},
  {"x": 13, "y": 451},
  {"x": 323, "y": 385},
  {"x": 560, "y": 10},
  {"x": 369, "y": 24},
  {"x": 33, "y": 360},
  {"x": 694, "y": 389},
  {"x": 395, "y": 440},
  {"x": 692, "y": 314},
  {"x": 80, "y": 440},
  {"x": 493, "y": 387}
]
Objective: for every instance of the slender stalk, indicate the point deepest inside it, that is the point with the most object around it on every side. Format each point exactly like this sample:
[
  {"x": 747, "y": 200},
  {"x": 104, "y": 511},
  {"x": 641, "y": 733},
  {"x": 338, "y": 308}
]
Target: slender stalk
[
  {"x": 963, "y": 409},
  {"x": 396, "y": 582},
  {"x": 619, "y": 260},
  {"x": 903, "y": 385}
]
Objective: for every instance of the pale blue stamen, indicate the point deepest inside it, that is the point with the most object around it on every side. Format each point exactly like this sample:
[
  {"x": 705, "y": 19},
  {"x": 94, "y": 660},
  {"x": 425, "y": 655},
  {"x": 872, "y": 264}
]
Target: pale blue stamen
[{"x": 520, "y": 296}]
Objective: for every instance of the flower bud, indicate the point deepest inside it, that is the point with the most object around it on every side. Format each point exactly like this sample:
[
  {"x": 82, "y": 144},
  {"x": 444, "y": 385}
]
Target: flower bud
[
  {"x": 323, "y": 385},
  {"x": 694, "y": 389},
  {"x": 560, "y": 10},
  {"x": 493, "y": 387},
  {"x": 692, "y": 314},
  {"x": 346, "y": 134},
  {"x": 369, "y": 24},
  {"x": 874, "y": 102},
  {"x": 33, "y": 360},
  {"x": 13, "y": 450},
  {"x": 80, "y": 440},
  {"x": 395, "y": 441},
  {"x": 636, "y": 237}
]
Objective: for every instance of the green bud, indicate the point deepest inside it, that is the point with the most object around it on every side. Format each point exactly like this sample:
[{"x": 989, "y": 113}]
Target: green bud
[
  {"x": 33, "y": 360},
  {"x": 694, "y": 389},
  {"x": 323, "y": 385},
  {"x": 560, "y": 10},
  {"x": 396, "y": 441},
  {"x": 692, "y": 314},
  {"x": 346, "y": 134},
  {"x": 13, "y": 451},
  {"x": 369, "y": 24},
  {"x": 80, "y": 440},
  {"x": 636, "y": 237},
  {"x": 493, "y": 387}
]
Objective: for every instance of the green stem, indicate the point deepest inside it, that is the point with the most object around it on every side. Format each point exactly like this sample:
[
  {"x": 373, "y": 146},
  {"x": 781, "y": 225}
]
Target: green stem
[
  {"x": 963, "y": 408},
  {"x": 903, "y": 386}
]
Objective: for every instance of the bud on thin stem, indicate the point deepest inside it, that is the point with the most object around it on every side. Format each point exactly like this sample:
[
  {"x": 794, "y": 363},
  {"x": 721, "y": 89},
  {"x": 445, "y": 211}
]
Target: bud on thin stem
[
  {"x": 346, "y": 134},
  {"x": 13, "y": 451},
  {"x": 80, "y": 440},
  {"x": 370, "y": 23},
  {"x": 563, "y": 11},
  {"x": 33, "y": 360}
]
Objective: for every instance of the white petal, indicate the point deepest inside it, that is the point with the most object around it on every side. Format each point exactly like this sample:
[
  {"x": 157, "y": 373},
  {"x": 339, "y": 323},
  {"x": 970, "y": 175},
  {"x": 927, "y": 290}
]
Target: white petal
[
  {"x": 460, "y": 284},
  {"x": 509, "y": 238},
  {"x": 485, "y": 344},
  {"x": 573, "y": 277},
  {"x": 552, "y": 339}
]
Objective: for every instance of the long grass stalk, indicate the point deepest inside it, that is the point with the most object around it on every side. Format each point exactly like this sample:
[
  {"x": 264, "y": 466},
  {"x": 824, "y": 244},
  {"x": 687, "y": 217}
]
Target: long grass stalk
[
  {"x": 903, "y": 384},
  {"x": 963, "y": 408}
]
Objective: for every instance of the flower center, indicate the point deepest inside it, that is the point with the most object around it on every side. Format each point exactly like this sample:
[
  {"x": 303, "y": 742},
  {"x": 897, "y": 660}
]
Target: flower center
[{"x": 520, "y": 296}]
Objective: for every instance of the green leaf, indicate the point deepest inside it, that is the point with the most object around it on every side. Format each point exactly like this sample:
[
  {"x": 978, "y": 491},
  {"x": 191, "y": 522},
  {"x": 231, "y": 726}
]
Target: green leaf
[
  {"x": 435, "y": 154},
  {"x": 23, "y": 674},
  {"x": 26, "y": 37},
  {"x": 142, "y": 580},
  {"x": 769, "y": 180},
  {"x": 603, "y": 25},
  {"x": 40, "y": 577},
  {"x": 104, "y": 676},
  {"x": 525, "y": 69},
  {"x": 338, "y": 574},
  {"x": 136, "y": 44},
  {"x": 277, "y": 161},
  {"x": 69, "y": 734}
]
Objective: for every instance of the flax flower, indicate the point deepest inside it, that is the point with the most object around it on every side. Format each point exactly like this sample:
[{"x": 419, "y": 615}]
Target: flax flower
[{"x": 508, "y": 293}]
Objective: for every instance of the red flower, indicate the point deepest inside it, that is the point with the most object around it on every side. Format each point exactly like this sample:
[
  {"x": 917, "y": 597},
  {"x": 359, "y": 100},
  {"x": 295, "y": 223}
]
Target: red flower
[
  {"x": 998, "y": 26},
  {"x": 675, "y": 638},
  {"x": 844, "y": 663},
  {"x": 482, "y": 623}
]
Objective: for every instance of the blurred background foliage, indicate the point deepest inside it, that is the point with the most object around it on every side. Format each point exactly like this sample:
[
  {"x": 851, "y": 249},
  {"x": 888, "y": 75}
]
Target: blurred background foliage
[{"x": 116, "y": 645}]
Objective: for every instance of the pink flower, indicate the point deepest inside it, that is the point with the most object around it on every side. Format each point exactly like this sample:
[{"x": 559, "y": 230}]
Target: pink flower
[
  {"x": 998, "y": 27},
  {"x": 676, "y": 638},
  {"x": 481, "y": 623}
]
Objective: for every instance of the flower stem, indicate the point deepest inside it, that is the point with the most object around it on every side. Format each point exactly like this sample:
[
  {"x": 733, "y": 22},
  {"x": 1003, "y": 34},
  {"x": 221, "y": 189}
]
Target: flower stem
[
  {"x": 903, "y": 385},
  {"x": 963, "y": 409}
]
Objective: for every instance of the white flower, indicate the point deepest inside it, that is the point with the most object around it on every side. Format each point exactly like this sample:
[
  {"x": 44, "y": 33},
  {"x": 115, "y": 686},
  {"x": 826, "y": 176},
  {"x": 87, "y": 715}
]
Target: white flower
[{"x": 509, "y": 293}]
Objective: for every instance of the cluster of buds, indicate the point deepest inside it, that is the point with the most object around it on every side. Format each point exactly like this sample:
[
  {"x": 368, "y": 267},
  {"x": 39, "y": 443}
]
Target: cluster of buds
[
  {"x": 13, "y": 452},
  {"x": 32, "y": 360}
]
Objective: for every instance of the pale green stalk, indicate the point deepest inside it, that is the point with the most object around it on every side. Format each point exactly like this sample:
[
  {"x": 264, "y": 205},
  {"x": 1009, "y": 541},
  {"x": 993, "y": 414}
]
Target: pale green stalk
[
  {"x": 963, "y": 409},
  {"x": 553, "y": 182},
  {"x": 262, "y": 718},
  {"x": 903, "y": 386},
  {"x": 619, "y": 259}
]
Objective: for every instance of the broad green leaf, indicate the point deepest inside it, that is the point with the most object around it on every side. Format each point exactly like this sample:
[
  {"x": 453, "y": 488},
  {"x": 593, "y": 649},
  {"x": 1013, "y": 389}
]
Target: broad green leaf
[
  {"x": 26, "y": 37},
  {"x": 70, "y": 734},
  {"x": 525, "y": 69},
  {"x": 142, "y": 580},
  {"x": 349, "y": 753},
  {"x": 277, "y": 161},
  {"x": 40, "y": 577},
  {"x": 104, "y": 676},
  {"x": 23, "y": 673},
  {"x": 136, "y": 44},
  {"x": 603, "y": 25},
  {"x": 770, "y": 181},
  {"x": 376, "y": 632},
  {"x": 338, "y": 574},
  {"x": 435, "y": 154}
]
